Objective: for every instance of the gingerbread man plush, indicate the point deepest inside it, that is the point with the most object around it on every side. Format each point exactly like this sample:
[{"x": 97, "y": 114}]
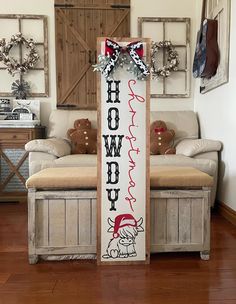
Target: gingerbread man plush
[
  {"x": 161, "y": 138},
  {"x": 83, "y": 137}
]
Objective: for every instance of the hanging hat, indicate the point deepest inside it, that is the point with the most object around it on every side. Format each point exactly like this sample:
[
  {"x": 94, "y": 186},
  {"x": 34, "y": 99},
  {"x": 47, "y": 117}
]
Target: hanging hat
[{"x": 121, "y": 221}]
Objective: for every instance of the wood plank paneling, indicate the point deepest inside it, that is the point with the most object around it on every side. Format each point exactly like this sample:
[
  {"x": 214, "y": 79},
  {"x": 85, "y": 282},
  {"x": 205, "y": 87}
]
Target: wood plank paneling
[
  {"x": 197, "y": 220},
  {"x": 71, "y": 222},
  {"x": 84, "y": 222},
  {"x": 153, "y": 220},
  {"x": 160, "y": 214},
  {"x": 93, "y": 221},
  {"x": 31, "y": 227},
  {"x": 56, "y": 222},
  {"x": 184, "y": 220},
  {"x": 59, "y": 52},
  {"x": 42, "y": 222},
  {"x": 172, "y": 221},
  {"x": 180, "y": 221},
  {"x": 77, "y": 30},
  {"x": 89, "y": 77}
]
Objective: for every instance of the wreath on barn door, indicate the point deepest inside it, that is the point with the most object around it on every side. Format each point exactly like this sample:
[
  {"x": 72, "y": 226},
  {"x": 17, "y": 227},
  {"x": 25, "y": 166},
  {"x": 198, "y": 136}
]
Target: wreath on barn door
[
  {"x": 12, "y": 65},
  {"x": 172, "y": 59}
]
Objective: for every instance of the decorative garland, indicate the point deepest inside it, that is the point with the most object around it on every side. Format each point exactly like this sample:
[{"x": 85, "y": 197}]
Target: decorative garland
[
  {"x": 172, "y": 59},
  {"x": 13, "y": 66}
]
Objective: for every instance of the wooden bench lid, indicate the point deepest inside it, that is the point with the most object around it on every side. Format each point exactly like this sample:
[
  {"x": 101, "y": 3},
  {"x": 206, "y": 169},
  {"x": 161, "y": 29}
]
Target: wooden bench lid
[
  {"x": 174, "y": 177},
  {"x": 86, "y": 178},
  {"x": 64, "y": 178}
]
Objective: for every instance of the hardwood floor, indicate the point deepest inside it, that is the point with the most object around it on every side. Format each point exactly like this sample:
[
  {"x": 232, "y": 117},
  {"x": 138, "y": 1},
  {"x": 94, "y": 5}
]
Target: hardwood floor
[{"x": 170, "y": 278}]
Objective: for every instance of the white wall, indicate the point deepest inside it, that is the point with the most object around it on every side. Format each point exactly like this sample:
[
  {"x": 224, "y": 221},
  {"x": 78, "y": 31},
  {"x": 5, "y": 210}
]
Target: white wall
[
  {"x": 217, "y": 114},
  {"x": 42, "y": 7},
  {"x": 155, "y": 8},
  {"x": 166, "y": 8}
]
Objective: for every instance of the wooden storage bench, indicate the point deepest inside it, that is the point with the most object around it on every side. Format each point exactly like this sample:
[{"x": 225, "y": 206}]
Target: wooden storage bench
[
  {"x": 180, "y": 210},
  {"x": 62, "y": 212},
  {"x": 62, "y": 220}
]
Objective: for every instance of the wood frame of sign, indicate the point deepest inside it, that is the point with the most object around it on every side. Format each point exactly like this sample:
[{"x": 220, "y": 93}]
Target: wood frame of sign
[{"x": 123, "y": 187}]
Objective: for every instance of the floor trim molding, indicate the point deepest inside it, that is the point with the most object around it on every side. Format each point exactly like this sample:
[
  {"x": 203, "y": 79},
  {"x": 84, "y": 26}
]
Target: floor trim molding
[{"x": 228, "y": 213}]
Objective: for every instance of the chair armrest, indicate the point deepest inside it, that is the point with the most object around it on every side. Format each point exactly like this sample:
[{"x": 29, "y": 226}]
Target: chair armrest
[
  {"x": 192, "y": 147},
  {"x": 37, "y": 161},
  {"x": 54, "y": 146},
  {"x": 213, "y": 155}
]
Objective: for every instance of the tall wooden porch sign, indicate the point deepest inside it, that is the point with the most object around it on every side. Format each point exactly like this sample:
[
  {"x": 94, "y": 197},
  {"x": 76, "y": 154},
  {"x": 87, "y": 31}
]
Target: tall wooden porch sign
[{"x": 123, "y": 159}]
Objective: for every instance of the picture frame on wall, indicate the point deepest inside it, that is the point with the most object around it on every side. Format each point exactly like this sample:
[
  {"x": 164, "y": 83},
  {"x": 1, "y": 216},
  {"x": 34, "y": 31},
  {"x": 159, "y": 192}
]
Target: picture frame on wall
[
  {"x": 219, "y": 10},
  {"x": 177, "y": 31},
  {"x": 31, "y": 27}
]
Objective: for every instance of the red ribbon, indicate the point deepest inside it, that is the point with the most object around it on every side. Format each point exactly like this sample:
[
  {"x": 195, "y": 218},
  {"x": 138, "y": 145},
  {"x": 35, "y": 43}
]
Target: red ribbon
[
  {"x": 110, "y": 50},
  {"x": 159, "y": 130}
]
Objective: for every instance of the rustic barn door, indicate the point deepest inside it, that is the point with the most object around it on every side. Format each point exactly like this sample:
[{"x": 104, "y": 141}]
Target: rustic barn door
[{"x": 78, "y": 24}]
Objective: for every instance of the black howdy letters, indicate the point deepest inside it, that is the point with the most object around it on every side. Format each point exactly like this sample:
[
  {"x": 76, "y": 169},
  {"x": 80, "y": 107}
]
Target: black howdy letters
[
  {"x": 109, "y": 119},
  {"x": 113, "y": 143},
  {"x": 111, "y": 165},
  {"x": 116, "y": 91},
  {"x": 114, "y": 199},
  {"x": 113, "y": 147}
]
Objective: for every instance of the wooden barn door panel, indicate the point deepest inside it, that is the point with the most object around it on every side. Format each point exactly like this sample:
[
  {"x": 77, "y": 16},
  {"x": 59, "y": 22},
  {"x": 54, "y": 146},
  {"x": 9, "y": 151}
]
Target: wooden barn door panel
[
  {"x": 72, "y": 56},
  {"x": 78, "y": 24}
]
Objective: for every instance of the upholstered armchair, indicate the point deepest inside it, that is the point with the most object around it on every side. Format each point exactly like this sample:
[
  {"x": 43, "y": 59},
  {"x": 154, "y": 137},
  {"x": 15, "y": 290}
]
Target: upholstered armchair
[{"x": 191, "y": 151}]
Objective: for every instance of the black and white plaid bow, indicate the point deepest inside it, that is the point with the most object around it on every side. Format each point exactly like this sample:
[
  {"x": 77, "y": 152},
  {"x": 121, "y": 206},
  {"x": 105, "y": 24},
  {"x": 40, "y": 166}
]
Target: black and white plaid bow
[{"x": 135, "y": 51}]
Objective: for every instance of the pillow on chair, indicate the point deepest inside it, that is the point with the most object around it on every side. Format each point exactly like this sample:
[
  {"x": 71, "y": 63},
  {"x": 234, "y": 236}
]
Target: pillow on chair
[{"x": 161, "y": 138}]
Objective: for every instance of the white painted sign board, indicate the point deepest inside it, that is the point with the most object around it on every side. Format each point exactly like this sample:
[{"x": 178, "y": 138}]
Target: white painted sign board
[{"x": 123, "y": 165}]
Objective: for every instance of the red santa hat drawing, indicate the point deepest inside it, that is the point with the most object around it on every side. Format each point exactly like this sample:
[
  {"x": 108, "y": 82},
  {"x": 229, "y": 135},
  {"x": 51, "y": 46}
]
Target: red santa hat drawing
[{"x": 121, "y": 221}]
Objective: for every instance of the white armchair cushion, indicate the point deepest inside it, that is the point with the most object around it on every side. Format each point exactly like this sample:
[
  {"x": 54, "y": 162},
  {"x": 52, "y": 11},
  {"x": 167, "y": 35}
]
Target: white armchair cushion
[
  {"x": 55, "y": 146},
  {"x": 192, "y": 147}
]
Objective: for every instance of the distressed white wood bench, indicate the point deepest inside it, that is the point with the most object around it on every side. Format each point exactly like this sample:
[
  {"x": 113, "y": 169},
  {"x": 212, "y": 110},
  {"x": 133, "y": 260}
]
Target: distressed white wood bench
[{"x": 62, "y": 212}]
